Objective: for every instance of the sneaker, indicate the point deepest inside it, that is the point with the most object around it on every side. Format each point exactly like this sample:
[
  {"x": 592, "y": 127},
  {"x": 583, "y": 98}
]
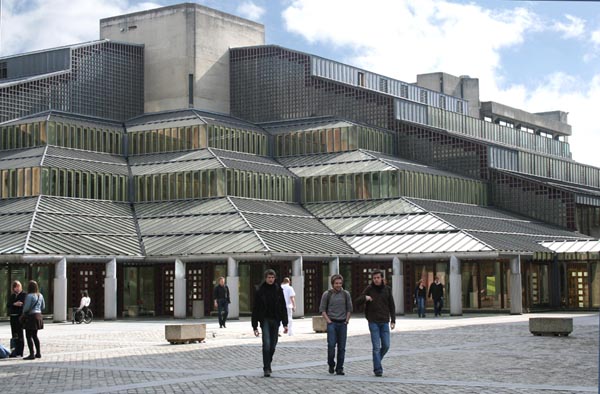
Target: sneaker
[
  {"x": 331, "y": 369},
  {"x": 340, "y": 372}
]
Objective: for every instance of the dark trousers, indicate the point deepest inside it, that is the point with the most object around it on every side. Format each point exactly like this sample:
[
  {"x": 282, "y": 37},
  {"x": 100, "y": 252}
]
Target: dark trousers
[
  {"x": 32, "y": 339},
  {"x": 337, "y": 333},
  {"x": 270, "y": 332},
  {"x": 222, "y": 310},
  {"x": 438, "y": 304},
  {"x": 17, "y": 334}
]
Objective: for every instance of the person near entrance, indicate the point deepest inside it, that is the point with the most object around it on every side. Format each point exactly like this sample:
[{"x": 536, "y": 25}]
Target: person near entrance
[
  {"x": 32, "y": 319},
  {"x": 15, "y": 309},
  {"x": 336, "y": 308},
  {"x": 222, "y": 301},
  {"x": 420, "y": 297},
  {"x": 290, "y": 301},
  {"x": 436, "y": 292},
  {"x": 380, "y": 312},
  {"x": 269, "y": 310}
]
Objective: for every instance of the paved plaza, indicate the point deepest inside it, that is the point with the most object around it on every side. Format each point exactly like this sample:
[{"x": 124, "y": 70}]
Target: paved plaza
[{"x": 468, "y": 354}]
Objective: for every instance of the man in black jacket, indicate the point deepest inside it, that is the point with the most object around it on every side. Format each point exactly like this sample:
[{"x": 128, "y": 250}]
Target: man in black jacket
[
  {"x": 269, "y": 310},
  {"x": 222, "y": 301},
  {"x": 15, "y": 309},
  {"x": 436, "y": 291},
  {"x": 380, "y": 312}
]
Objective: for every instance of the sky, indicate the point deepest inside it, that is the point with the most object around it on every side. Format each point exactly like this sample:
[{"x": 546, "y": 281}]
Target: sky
[{"x": 534, "y": 55}]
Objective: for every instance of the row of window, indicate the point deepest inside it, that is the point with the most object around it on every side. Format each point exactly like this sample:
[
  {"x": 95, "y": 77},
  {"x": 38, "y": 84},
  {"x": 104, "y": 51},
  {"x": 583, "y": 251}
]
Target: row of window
[
  {"x": 458, "y": 123},
  {"x": 213, "y": 183},
  {"x": 338, "y": 139},
  {"x": 195, "y": 137},
  {"x": 390, "y": 184},
  {"x": 33, "y": 134},
  {"x": 23, "y": 182}
]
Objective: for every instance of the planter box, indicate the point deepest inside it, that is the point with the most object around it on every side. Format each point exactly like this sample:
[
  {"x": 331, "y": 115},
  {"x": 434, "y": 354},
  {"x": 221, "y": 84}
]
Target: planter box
[
  {"x": 319, "y": 324},
  {"x": 551, "y": 326},
  {"x": 185, "y": 333}
]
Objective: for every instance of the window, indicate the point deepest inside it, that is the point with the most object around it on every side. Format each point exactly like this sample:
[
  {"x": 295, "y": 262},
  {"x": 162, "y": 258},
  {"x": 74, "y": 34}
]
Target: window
[
  {"x": 3, "y": 70},
  {"x": 383, "y": 85},
  {"x": 361, "y": 78}
]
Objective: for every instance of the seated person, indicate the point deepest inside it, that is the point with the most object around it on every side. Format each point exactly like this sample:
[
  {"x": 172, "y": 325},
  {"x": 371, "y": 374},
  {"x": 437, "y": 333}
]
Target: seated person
[{"x": 83, "y": 306}]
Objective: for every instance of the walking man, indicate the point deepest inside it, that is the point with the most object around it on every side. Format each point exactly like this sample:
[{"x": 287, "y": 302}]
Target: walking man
[
  {"x": 336, "y": 308},
  {"x": 222, "y": 301},
  {"x": 436, "y": 291},
  {"x": 269, "y": 310},
  {"x": 290, "y": 301},
  {"x": 379, "y": 311}
]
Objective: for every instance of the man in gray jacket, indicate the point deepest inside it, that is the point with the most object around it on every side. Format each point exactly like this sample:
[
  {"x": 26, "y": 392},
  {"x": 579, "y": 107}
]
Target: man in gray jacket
[{"x": 336, "y": 308}]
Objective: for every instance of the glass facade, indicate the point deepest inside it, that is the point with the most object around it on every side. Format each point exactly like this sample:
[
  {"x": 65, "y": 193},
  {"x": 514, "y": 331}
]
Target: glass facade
[
  {"x": 105, "y": 79},
  {"x": 182, "y": 138},
  {"x": 339, "y": 139},
  {"x": 485, "y": 285}
]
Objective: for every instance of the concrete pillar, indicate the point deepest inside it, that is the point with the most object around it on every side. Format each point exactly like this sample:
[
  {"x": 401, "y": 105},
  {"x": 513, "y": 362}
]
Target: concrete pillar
[
  {"x": 398, "y": 284},
  {"x": 110, "y": 290},
  {"x": 455, "y": 287},
  {"x": 233, "y": 283},
  {"x": 516, "y": 297},
  {"x": 298, "y": 285},
  {"x": 334, "y": 268},
  {"x": 60, "y": 291},
  {"x": 179, "y": 293}
]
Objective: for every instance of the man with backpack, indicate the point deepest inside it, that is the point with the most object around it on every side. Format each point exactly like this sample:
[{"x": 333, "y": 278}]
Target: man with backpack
[{"x": 336, "y": 308}]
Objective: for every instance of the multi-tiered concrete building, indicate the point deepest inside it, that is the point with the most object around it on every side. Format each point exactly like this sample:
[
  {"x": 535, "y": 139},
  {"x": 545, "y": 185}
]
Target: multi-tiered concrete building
[{"x": 180, "y": 148}]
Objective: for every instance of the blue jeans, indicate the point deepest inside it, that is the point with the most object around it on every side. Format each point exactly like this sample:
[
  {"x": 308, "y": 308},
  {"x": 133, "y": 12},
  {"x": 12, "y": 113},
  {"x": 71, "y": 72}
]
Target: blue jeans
[
  {"x": 222, "y": 310},
  {"x": 380, "y": 339},
  {"x": 270, "y": 332},
  {"x": 437, "y": 306},
  {"x": 421, "y": 306},
  {"x": 336, "y": 335}
]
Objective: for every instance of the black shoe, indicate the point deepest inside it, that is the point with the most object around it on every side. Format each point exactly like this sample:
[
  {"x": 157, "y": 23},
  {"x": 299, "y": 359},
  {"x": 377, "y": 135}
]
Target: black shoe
[
  {"x": 331, "y": 369},
  {"x": 30, "y": 357},
  {"x": 379, "y": 374},
  {"x": 224, "y": 326},
  {"x": 267, "y": 374},
  {"x": 339, "y": 372},
  {"x": 12, "y": 355},
  {"x": 38, "y": 356}
]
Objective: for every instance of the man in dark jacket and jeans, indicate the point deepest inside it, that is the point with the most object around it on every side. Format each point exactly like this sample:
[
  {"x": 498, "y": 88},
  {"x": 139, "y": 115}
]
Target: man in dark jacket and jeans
[
  {"x": 269, "y": 310},
  {"x": 379, "y": 311},
  {"x": 436, "y": 291}
]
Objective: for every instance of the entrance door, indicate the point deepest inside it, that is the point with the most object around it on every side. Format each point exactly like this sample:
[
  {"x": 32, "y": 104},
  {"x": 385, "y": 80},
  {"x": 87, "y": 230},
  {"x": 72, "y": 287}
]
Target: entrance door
[
  {"x": 577, "y": 286},
  {"x": 88, "y": 277}
]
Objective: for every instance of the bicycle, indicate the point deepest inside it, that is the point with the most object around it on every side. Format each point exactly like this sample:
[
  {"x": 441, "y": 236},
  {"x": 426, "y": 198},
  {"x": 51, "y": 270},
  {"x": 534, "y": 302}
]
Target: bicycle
[{"x": 84, "y": 315}]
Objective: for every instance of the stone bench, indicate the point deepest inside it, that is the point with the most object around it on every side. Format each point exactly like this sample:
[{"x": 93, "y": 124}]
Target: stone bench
[
  {"x": 319, "y": 324},
  {"x": 185, "y": 333},
  {"x": 551, "y": 326}
]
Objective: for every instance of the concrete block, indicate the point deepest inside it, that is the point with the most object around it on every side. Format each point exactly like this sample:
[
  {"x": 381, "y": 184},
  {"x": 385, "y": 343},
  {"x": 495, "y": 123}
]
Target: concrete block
[
  {"x": 185, "y": 333},
  {"x": 556, "y": 326},
  {"x": 319, "y": 324}
]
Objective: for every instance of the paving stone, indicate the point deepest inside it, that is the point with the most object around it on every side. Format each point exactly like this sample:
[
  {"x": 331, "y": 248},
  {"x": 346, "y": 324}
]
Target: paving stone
[{"x": 468, "y": 354}]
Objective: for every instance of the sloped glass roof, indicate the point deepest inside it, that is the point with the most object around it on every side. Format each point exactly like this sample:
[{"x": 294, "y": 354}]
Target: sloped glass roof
[
  {"x": 388, "y": 224},
  {"x": 398, "y": 206},
  {"x": 573, "y": 246},
  {"x": 416, "y": 243}
]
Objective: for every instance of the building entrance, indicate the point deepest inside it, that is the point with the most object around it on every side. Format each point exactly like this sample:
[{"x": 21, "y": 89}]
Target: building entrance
[{"x": 577, "y": 286}]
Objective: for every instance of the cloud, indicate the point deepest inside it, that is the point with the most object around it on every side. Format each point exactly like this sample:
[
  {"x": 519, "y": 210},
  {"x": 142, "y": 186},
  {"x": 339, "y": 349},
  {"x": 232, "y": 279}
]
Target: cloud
[
  {"x": 401, "y": 39},
  {"x": 250, "y": 10},
  {"x": 38, "y": 24},
  {"x": 595, "y": 38},
  {"x": 574, "y": 28}
]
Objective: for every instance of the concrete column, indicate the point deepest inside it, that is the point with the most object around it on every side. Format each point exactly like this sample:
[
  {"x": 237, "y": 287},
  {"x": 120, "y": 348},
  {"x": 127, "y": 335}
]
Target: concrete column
[
  {"x": 110, "y": 290},
  {"x": 455, "y": 287},
  {"x": 516, "y": 295},
  {"x": 179, "y": 307},
  {"x": 60, "y": 291},
  {"x": 398, "y": 284},
  {"x": 233, "y": 282},
  {"x": 298, "y": 285},
  {"x": 334, "y": 268}
]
